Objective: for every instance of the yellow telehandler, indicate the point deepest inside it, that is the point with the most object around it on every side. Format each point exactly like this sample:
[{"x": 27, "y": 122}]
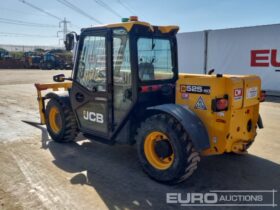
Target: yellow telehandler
[{"x": 125, "y": 88}]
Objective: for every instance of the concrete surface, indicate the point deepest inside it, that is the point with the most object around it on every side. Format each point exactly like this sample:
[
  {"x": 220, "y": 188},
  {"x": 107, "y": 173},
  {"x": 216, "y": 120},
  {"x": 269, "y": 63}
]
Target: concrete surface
[{"x": 37, "y": 173}]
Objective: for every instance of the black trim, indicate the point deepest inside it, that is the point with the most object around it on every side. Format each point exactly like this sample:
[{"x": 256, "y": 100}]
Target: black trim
[
  {"x": 143, "y": 31},
  {"x": 174, "y": 67}
]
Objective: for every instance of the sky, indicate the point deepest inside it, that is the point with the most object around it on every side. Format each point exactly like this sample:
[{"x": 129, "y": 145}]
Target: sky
[{"x": 190, "y": 15}]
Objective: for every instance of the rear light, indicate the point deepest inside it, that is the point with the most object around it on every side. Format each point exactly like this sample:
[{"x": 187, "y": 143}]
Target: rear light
[
  {"x": 220, "y": 104},
  {"x": 262, "y": 96},
  {"x": 150, "y": 88}
]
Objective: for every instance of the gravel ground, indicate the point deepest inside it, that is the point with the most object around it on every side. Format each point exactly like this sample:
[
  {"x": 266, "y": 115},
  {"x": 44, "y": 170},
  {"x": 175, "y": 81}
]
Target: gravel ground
[{"x": 37, "y": 173}]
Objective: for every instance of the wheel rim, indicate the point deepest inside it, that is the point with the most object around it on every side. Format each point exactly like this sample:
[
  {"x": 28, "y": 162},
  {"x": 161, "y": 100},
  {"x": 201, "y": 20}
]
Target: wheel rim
[
  {"x": 149, "y": 149},
  {"x": 55, "y": 120}
]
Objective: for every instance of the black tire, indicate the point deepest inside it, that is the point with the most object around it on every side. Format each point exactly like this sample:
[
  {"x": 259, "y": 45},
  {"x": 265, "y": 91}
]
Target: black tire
[
  {"x": 68, "y": 125},
  {"x": 185, "y": 157}
]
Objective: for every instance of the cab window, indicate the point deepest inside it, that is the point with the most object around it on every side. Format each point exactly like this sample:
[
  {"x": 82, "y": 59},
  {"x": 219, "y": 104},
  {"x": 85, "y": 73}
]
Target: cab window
[
  {"x": 121, "y": 74},
  {"x": 154, "y": 59},
  {"x": 92, "y": 64}
]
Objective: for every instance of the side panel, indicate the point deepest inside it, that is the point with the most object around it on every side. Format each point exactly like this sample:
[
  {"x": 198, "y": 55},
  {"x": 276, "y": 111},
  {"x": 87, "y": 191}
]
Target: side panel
[
  {"x": 189, "y": 95},
  {"x": 225, "y": 128},
  {"x": 96, "y": 120},
  {"x": 91, "y": 110},
  {"x": 191, "y": 123}
]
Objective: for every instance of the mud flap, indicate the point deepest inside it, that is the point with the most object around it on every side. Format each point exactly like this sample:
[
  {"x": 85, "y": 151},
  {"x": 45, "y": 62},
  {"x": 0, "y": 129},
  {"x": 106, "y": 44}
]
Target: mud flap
[{"x": 191, "y": 123}]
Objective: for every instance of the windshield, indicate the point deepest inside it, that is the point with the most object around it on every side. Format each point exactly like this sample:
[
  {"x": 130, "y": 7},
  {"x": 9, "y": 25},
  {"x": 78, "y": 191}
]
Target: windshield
[{"x": 154, "y": 59}]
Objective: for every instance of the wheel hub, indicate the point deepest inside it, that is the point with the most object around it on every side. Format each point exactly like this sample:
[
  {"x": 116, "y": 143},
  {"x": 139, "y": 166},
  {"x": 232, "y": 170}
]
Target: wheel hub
[
  {"x": 55, "y": 120},
  {"x": 158, "y": 150},
  {"x": 163, "y": 148}
]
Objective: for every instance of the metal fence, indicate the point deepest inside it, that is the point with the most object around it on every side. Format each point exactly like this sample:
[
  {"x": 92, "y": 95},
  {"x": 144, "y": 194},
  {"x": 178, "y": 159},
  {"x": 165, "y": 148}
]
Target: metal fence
[{"x": 26, "y": 48}]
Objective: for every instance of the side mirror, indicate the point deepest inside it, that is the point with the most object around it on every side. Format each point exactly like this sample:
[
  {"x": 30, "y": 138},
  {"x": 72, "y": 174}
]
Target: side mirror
[
  {"x": 69, "y": 41},
  {"x": 59, "y": 78}
]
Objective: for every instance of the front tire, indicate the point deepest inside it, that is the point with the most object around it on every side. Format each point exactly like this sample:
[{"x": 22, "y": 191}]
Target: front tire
[
  {"x": 60, "y": 120},
  {"x": 165, "y": 150}
]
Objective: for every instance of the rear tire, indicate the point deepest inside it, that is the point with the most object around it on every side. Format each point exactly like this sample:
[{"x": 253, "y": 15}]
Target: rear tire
[
  {"x": 60, "y": 120},
  {"x": 184, "y": 158}
]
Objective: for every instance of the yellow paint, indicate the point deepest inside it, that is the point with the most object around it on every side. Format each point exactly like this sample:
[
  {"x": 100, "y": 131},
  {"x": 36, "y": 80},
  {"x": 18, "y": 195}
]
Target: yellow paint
[
  {"x": 149, "y": 150},
  {"x": 227, "y": 127},
  {"x": 239, "y": 147},
  {"x": 45, "y": 87},
  {"x": 167, "y": 29},
  {"x": 53, "y": 117},
  {"x": 128, "y": 26}
]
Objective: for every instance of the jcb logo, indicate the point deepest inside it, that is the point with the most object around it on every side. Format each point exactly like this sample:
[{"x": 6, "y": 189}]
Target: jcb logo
[{"x": 93, "y": 117}]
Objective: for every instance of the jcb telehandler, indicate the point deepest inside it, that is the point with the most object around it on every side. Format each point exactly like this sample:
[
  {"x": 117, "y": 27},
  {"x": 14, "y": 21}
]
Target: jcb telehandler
[{"x": 125, "y": 88}]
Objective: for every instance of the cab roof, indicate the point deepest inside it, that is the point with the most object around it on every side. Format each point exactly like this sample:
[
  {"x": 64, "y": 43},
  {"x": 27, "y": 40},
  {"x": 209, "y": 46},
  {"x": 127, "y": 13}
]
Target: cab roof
[{"x": 129, "y": 25}]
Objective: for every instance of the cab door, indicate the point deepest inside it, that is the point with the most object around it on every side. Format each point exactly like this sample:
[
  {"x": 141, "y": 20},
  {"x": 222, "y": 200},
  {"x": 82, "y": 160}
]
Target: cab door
[{"x": 90, "y": 94}]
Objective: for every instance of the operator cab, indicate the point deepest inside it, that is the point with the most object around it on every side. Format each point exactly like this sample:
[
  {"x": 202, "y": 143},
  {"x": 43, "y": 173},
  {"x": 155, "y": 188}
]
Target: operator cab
[{"x": 120, "y": 70}]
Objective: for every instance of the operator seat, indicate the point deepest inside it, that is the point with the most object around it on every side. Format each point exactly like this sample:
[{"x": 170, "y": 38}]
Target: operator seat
[{"x": 146, "y": 71}]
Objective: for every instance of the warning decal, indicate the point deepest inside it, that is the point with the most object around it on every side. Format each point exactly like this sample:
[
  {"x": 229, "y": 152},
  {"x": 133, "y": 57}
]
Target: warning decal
[
  {"x": 238, "y": 93},
  {"x": 185, "y": 95},
  {"x": 252, "y": 92},
  {"x": 200, "y": 104}
]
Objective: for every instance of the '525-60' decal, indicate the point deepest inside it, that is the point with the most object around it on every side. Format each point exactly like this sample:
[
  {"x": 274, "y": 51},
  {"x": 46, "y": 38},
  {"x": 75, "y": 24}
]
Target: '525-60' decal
[{"x": 198, "y": 89}]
